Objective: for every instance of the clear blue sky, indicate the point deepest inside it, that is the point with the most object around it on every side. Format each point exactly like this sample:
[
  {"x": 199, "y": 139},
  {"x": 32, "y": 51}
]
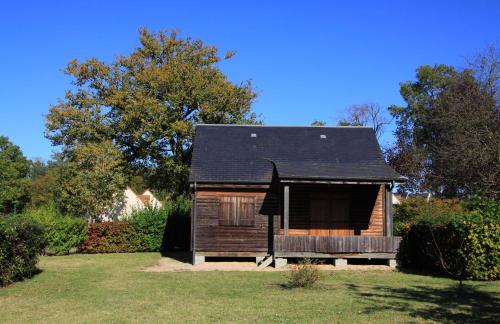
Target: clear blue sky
[{"x": 308, "y": 60}]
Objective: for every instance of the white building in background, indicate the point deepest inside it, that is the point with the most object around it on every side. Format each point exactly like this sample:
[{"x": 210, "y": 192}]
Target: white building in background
[
  {"x": 129, "y": 202},
  {"x": 396, "y": 199},
  {"x": 149, "y": 199}
]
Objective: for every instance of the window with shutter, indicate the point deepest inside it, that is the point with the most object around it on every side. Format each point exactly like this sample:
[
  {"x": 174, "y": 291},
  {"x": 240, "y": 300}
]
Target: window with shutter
[
  {"x": 227, "y": 211},
  {"x": 246, "y": 212},
  {"x": 237, "y": 211}
]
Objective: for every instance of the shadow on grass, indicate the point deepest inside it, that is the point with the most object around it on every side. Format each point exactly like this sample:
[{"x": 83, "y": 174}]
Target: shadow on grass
[
  {"x": 423, "y": 272},
  {"x": 34, "y": 273},
  {"x": 447, "y": 305},
  {"x": 181, "y": 256}
]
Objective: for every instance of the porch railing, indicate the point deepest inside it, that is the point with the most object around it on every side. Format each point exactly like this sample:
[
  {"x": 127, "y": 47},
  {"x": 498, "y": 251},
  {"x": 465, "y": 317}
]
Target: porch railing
[{"x": 336, "y": 244}]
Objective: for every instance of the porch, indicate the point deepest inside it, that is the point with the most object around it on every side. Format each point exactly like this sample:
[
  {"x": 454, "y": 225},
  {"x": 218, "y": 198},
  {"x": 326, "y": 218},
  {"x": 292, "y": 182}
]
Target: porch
[
  {"x": 333, "y": 246},
  {"x": 336, "y": 220}
]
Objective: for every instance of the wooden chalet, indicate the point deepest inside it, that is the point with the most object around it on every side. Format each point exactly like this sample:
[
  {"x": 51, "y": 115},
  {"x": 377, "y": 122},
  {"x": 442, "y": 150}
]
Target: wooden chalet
[{"x": 290, "y": 192}]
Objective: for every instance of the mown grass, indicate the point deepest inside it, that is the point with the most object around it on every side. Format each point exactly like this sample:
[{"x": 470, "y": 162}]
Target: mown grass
[{"x": 112, "y": 288}]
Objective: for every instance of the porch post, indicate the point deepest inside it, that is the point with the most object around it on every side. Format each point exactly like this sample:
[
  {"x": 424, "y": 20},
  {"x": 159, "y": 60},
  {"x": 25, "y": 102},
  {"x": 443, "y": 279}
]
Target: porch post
[
  {"x": 286, "y": 209},
  {"x": 388, "y": 211}
]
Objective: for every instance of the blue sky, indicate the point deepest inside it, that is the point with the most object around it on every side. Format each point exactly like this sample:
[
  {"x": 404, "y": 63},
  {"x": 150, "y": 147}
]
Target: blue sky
[{"x": 308, "y": 60}]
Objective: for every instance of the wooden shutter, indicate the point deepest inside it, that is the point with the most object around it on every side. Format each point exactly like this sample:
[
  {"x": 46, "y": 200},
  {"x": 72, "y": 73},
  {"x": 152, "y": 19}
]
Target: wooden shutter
[
  {"x": 227, "y": 211},
  {"x": 246, "y": 211},
  {"x": 237, "y": 211}
]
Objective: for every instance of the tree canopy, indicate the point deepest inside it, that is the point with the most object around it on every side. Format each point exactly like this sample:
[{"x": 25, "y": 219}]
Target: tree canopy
[
  {"x": 14, "y": 170},
  {"x": 368, "y": 114},
  {"x": 90, "y": 180},
  {"x": 148, "y": 102},
  {"x": 448, "y": 134}
]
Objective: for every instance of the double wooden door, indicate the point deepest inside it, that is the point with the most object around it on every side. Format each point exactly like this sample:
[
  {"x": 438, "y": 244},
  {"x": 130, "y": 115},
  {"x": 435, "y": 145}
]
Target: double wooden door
[{"x": 329, "y": 214}]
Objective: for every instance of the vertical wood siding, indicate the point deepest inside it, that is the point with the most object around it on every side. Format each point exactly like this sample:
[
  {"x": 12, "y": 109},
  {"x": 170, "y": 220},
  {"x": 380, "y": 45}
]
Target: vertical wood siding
[
  {"x": 235, "y": 230},
  {"x": 254, "y": 233},
  {"x": 366, "y": 210},
  {"x": 336, "y": 244}
]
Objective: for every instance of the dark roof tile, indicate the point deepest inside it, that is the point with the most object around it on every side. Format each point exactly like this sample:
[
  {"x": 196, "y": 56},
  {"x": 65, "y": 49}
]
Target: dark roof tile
[{"x": 230, "y": 153}]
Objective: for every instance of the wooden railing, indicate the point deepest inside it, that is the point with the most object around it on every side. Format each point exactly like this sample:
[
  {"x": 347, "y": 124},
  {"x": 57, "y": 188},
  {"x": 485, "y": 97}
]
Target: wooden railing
[{"x": 336, "y": 244}]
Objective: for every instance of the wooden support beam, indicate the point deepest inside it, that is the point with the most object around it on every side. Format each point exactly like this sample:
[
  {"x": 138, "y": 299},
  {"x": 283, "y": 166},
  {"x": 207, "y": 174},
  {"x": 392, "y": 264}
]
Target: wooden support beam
[
  {"x": 286, "y": 209},
  {"x": 388, "y": 211}
]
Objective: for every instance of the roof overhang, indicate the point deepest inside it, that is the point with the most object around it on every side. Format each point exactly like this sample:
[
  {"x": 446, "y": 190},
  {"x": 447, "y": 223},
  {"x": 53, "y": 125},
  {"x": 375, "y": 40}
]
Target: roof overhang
[{"x": 338, "y": 182}]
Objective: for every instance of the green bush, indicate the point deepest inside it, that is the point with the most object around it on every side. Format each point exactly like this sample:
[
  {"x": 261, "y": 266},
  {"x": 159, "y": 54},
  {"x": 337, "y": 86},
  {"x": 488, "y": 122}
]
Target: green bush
[
  {"x": 482, "y": 239},
  {"x": 430, "y": 245},
  {"x": 21, "y": 240},
  {"x": 165, "y": 228},
  {"x": 149, "y": 229},
  {"x": 178, "y": 228},
  {"x": 150, "y": 225},
  {"x": 414, "y": 209},
  {"x": 113, "y": 237},
  {"x": 63, "y": 233},
  {"x": 464, "y": 245},
  {"x": 303, "y": 275}
]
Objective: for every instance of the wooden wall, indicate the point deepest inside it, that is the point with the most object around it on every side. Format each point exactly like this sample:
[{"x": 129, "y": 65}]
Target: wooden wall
[
  {"x": 337, "y": 244},
  {"x": 211, "y": 236},
  {"x": 365, "y": 206},
  {"x": 366, "y": 210},
  {"x": 375, "y": 224}
]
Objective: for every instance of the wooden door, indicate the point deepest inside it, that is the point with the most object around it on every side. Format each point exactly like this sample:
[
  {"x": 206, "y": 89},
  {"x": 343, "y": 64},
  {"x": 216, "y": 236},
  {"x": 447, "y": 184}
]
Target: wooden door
[
  {"x": 329, "y": 214},
  {"x": 319, "y": 213},
  {"x": 340, "y": 218}
]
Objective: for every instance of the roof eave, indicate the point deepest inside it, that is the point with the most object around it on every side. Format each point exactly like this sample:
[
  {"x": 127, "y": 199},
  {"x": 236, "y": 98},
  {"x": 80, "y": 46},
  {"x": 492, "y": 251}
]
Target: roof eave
[{"x": 367, "y": 180}]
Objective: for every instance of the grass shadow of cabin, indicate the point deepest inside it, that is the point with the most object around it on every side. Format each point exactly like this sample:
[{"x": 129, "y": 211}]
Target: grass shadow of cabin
[{"x": 454, "y": 304}]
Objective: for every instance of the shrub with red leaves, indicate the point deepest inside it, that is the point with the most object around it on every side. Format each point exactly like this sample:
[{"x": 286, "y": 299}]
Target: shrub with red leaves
[{"x": 112, "y": 237}]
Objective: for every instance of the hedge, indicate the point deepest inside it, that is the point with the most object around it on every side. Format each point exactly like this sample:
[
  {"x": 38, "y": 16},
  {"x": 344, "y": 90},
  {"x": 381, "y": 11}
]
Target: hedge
[
  {"x": 415, "y": 209},
  {"x": 112, "y": 237},
  {"x": 149, "y": 223},
  {"x": 465, "y": 245},
  {"x": 63, "y": 233},
  {"x": 150, "y": 229},
  {"x": 21, "y": 240}
]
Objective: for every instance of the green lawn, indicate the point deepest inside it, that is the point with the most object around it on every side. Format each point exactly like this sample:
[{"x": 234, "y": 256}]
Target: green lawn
[{"x": 112, "y": 288}]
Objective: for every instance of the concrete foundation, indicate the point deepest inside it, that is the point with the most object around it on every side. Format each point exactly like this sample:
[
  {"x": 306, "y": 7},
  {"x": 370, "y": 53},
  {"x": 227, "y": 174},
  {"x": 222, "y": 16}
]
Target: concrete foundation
[
  {"x": 198, "y": 259},
  {"x": 259, "y": 259},
  {"x": 280, "y": 262},
  {"x": 392, "y": 263},
  {"x": 340, "y": 263}
]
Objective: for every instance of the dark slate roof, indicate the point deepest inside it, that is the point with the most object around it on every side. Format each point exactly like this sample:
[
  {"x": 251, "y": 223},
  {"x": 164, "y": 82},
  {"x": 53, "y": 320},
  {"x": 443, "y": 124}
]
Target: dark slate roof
[{"x": 230, "y": 153}]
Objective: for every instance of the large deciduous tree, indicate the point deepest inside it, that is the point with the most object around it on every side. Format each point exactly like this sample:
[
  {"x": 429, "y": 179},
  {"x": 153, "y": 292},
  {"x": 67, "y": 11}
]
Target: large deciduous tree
[
  {"x": 465, "y": 145},
  {"x": 14, "y": 170},
  {"x": 148, "y": 102},
  {"x": 448, "y": 134},
  {"x": 409, "y": 156}
]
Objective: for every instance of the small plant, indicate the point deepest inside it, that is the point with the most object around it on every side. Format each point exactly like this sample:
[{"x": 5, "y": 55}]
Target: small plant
[{"x": 305, "y": 275}]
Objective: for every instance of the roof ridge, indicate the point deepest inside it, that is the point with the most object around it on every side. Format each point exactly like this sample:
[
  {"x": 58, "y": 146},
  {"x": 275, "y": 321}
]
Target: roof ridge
[{"x": 282, "y": 126}]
